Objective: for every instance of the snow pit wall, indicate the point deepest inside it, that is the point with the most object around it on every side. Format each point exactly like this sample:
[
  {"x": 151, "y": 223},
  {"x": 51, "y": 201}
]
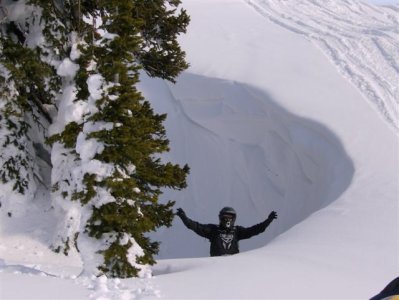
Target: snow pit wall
[{"x": 244, "y": 151}]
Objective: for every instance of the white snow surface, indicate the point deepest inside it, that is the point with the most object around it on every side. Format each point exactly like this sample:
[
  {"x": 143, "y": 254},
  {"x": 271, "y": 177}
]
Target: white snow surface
[
  {"x": 288, "y": 106},
  {"x": 364, "y": 47}
]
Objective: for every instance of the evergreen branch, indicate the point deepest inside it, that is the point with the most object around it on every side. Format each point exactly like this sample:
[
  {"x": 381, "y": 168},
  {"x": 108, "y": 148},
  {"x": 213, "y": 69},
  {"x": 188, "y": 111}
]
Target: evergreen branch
[{"x": 41, "y": 107}]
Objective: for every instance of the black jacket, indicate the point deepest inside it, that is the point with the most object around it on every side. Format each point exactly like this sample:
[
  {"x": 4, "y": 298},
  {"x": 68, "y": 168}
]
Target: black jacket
[{"x": 224, "y": 242}]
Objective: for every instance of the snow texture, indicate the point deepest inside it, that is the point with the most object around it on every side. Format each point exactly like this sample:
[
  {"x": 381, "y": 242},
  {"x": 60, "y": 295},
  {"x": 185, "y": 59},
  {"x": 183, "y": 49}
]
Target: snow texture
[
  {"x": 288, "y": 106},
  {"x": 364, "y": 49}
]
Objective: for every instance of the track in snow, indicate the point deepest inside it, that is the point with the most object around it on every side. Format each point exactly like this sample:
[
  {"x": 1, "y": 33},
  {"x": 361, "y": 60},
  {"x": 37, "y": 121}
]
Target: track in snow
[{"x": 361, "y": 40}]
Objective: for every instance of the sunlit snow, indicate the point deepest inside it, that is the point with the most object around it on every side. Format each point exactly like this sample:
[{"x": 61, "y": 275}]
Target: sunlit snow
[{"x": 289, "y": 106}]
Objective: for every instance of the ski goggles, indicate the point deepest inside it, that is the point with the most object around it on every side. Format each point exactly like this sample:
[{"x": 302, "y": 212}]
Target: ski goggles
[{"x": 227, "y": 217}]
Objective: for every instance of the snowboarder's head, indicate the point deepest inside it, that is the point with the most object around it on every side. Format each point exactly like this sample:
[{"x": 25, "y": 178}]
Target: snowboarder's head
[{"x": 227, "y": 217}]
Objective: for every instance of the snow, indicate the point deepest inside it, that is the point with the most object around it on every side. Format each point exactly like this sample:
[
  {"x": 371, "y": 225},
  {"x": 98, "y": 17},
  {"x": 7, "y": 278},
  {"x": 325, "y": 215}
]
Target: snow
[
  {"x": 276, "y": 112},
  {"x": 382, "y": 2},
  {"x": 365, "y": 50},
  {"x": 14, "y": 154},
  {"x": 67, "y": 68}
]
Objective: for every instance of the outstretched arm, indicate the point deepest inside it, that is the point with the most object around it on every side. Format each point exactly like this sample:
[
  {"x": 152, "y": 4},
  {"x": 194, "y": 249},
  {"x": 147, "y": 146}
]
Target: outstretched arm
[
  {"x": 246, "y": 233},
  {"x": 200, "y": 229}
]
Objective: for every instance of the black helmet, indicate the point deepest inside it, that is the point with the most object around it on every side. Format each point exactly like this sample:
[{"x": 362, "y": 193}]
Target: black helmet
[
  {"x": 227, "y": 211},
  {"x": 227, "y": 217}
]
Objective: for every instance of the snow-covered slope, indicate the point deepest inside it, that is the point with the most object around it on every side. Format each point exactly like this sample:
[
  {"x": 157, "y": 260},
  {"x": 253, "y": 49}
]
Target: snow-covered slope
[
  {"x": 361, "y": 40},
  {"x": 267, "y": 121}
]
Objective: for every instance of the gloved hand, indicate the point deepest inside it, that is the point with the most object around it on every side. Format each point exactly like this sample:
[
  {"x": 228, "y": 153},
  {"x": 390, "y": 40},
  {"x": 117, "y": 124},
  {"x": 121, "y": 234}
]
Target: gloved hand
[
  {"x": 272, "y": 215},
  {"x": 180, "y": 213}
]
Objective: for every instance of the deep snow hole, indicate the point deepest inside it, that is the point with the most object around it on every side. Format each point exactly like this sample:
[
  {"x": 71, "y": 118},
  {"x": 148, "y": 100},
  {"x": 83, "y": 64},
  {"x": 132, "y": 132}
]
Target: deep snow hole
[{"x": 247, "y": 152}]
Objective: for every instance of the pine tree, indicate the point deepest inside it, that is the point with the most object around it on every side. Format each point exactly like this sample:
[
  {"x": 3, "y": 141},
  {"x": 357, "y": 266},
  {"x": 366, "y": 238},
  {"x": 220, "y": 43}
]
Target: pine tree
[
  {"x": 160, "y": 53},
  {"x": 108, "y": 175},
  {"x": 25, "y": 84}
]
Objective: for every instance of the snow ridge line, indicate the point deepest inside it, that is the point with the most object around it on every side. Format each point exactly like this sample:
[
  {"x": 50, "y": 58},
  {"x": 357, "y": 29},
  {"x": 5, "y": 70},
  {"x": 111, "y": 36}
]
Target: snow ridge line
[{"x": 359, "y": 39}]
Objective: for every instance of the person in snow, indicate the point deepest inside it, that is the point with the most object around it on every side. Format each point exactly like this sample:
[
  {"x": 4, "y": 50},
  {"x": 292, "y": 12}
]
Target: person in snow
[{"x": 225, "y": 236}]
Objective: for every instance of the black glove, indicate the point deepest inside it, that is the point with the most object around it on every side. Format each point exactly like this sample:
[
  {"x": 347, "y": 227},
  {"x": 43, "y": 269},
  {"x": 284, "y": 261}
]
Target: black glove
[
  {"x": 273, "y": 215},
  {"x": 180, "y": 213}
]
